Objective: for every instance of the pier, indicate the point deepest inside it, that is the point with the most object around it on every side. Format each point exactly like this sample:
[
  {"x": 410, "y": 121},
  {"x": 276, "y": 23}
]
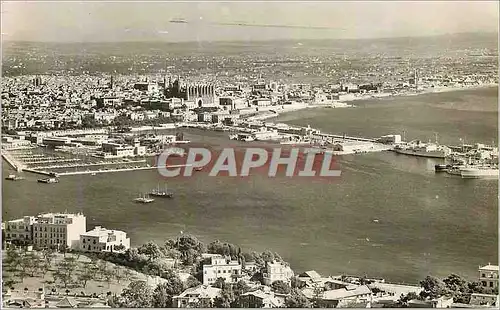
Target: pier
[
  {"x": 52, "y": 161},
  {"x": 90, "y": 164},
  {"x": 351, "y": 138},
  {"x": 116, "y": 170},
  {"x": 18, "y": 166},
  {"x": 46, "y": 173}
]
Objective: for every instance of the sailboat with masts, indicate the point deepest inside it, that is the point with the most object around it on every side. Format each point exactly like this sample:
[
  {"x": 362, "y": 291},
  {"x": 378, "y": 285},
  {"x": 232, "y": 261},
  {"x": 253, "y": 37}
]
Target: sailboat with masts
[
  {"x": 144, "y": 199},
  {"x": 157, "y": 192}
]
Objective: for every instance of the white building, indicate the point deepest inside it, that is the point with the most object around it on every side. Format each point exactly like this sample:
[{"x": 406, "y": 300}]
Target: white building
[
  {"x": 221, "y": 267},
  {"x": 105, "y": 116},
  {"x": 277, "y": 271},
  {"x": 101, "y": 239},
  {"x": 262, "y": 102},
  {"x": 58, "y": 229},
  {"x": 202, "y": 295},
  {"x": 262, "y": 298},
  {"x": 488, "y": 276}
]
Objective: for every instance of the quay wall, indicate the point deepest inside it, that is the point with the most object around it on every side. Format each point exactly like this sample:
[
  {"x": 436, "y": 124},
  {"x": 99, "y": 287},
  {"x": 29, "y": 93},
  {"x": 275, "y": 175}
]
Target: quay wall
[{"x": 12, "y": 162}]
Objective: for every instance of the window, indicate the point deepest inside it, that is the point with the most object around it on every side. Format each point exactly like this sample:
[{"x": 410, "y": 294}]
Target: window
[
  {"x": 484, "y": 275},
  {"x": 484, "y": 283},
  {"x": 491, "y": 284}
]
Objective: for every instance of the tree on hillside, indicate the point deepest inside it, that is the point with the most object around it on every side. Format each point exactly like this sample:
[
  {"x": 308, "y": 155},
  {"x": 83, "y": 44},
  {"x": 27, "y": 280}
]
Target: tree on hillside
[
  {"x": 225, "y": 249},
  {"x": 241, "y": 288},
  {"x": 192, "y": 282},
  {"x": 13, "y": 258},
  {"x": 297, "y": 300},
  {"x": 189, "y": 247},
  {"x": 86, "y": 274},
  {"x": 455, "y": 283},
  {"x": 458, "y": 287},
  {"x": 122, "y": 121},
  {"x": 137, "y": 295},
  {"x": 432, "y": 288},
  {"x": 280, "y": 287},
  {"x": 225, "y": 298},
  {"x": 89, "y": 121},
  {"x": 219, "y": 283},
  {"x": 404, "y": 299},
  {"x": 267, "y": 256},
  {"x": 296, "y": 283},
  {"x": 30, "y": 264},
  {"x": 65, "y": 270},
  {"x": 164, "y": 292},
  {"x": 151, "y": 250}
]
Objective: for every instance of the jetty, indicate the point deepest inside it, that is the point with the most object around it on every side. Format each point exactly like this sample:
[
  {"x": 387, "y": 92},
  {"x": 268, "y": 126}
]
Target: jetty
[
  {"x": 90, "y": 164},
  {"x": 18, "y": 166},
  {"x": 48, "y": 161},
  {"x": 116, "y": 170}
]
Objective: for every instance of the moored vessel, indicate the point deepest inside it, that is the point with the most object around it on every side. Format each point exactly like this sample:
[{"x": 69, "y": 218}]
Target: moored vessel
[
  {"x": 48, "y": 180},
  {"x": 479, "y": 172},
  {"x": 441, "y": 167},
  {"x": 13, "y": 177},
  {"x": 159, "y": 193},
  {"x": 418, "y": 148},
  {"x": 144, "y": 199}
]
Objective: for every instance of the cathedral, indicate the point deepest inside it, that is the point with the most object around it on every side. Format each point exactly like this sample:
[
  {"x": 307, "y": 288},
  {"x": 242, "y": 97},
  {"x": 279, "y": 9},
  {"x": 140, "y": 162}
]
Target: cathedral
[{"x": 199, "y": 95}]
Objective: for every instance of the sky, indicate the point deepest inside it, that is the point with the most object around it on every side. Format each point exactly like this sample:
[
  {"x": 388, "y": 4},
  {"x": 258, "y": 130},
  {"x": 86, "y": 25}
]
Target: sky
[{"x": 91, "y": 21}]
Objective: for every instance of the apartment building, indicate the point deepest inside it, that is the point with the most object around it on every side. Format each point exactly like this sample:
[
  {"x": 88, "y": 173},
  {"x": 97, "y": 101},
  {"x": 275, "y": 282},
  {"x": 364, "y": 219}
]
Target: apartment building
[
  {"x": 221, "y": 267},
  {"x": 101, "y": 239},
  {"x": 59, "y": 229},
  {"x": 47, "y": 230},
  {"x": 19, "y": 231}
]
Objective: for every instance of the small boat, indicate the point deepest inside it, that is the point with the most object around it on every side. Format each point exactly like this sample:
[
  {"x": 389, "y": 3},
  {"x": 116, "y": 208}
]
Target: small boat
[
  {"x": 198, "y": 169},
  {"x": 144, "y": 199},
  {"x": 93, "y": 173},
  {"x": 48, "y": 180},
  {"x": 13, "y": 177}
]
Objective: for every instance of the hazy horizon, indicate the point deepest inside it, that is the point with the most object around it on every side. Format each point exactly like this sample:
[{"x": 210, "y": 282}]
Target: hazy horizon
[
  {"x": 256, "y": 41},
  {"x": 98, "y": 22}
]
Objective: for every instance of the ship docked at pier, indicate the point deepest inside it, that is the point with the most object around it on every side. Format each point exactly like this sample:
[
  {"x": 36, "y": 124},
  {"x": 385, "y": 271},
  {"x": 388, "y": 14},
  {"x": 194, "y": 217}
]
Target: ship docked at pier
[
  {"x": 479, "y": 172},
  {"x": 418, "y": 148}
]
